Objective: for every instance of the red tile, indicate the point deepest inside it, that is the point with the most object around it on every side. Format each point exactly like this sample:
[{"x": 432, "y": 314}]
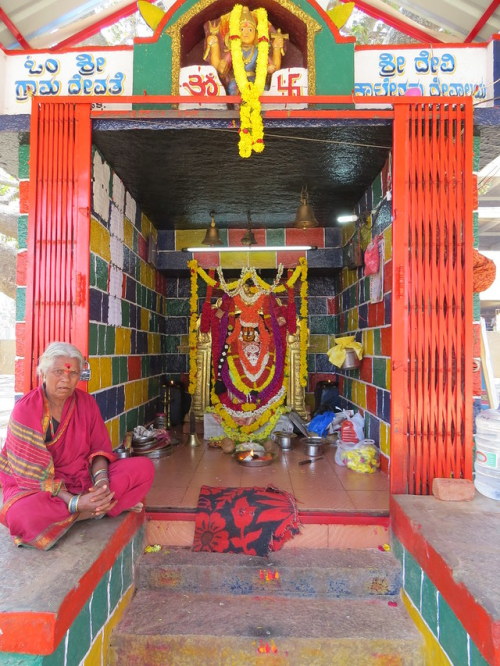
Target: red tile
[
  {"x": 476, "y": 340},
  {"x": 386, "y": 341},
  {"x": 142, "y": 247},
  {"x": 305, "y": 237},
  {"x": 332, "y": 305},
  {"x": 19, "y": 383},
  {"x": 20, "y": 338},
  {"x": 365, "y": 369},
  {"x": 21, "y": 268},
  {"x": 207, "y": 259},
  {"x": 315, "y": 377},
  {"x": 234, "y": 236},
  {"x": 24, "y": 196},
  {"x": 134, "y": 367},
  {"x": 289, "y": 259},
  {"x": 388, "y": 276},
  {"x": 371, "y": 399}
]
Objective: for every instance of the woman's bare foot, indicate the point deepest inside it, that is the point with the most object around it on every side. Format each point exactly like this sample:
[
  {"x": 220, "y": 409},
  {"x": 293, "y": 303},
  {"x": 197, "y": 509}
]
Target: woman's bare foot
[{"x": 137, "y": 508}]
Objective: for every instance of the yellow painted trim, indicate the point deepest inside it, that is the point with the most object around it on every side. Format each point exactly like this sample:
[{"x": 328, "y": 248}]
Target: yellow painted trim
[{"x": 433, "y": 652}]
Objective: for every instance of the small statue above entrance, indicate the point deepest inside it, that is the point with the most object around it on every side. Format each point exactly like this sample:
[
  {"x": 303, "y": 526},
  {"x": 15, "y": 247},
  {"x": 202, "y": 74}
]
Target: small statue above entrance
[{"x": 218, "y": 47}]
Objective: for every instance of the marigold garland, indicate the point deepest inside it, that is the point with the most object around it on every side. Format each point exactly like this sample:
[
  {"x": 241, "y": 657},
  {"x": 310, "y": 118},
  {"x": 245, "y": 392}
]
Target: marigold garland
[
  {"x": 193, "y": 317},
  {"x": 251, "y": 125}
]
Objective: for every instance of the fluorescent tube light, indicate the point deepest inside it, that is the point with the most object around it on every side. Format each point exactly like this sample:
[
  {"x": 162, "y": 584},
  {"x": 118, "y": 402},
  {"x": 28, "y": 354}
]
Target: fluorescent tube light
[{"x": 252, "y": 248}]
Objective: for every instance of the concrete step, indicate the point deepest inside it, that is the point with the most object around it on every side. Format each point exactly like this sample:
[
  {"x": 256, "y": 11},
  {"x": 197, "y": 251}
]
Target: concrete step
[
  {"x": 188, "y": 629},
  {"x": 322, "y": 573}
]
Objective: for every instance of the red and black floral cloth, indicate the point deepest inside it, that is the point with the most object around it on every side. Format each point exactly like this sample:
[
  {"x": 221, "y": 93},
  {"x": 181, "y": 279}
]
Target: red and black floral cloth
[{"x": 254, "y": 521}]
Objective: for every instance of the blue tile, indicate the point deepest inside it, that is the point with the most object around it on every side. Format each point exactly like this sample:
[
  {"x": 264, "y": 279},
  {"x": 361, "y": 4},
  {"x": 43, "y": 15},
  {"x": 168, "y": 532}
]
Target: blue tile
[
  {"x": 166, "y": 240},
  {"x": 387, "y": 308},
  {"x": 95, "y": 305},
  {"x": 333, "y": 237}
]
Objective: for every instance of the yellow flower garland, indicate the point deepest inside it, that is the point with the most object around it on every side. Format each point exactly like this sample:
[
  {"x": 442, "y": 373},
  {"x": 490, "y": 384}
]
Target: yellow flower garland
[
  {"x": 193, "y": 317},
  {"x": 251, "y": 125}
]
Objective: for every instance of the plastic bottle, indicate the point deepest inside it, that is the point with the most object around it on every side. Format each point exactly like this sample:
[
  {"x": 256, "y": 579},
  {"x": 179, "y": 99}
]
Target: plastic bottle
[{"x": 487, "y": 463}]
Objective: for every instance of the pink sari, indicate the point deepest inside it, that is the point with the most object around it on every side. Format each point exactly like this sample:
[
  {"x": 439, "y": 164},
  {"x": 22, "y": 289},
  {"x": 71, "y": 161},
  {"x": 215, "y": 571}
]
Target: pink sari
[{"x": 32, "y": 472}]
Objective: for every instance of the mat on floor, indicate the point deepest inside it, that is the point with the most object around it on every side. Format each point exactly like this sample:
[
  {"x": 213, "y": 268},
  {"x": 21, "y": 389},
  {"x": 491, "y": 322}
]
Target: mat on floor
[{"x": 254, "y": 521}]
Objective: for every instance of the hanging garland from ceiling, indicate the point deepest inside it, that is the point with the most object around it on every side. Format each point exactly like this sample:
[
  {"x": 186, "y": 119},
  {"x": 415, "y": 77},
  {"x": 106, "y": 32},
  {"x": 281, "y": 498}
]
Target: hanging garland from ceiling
[{"x": 249, "y": 326}]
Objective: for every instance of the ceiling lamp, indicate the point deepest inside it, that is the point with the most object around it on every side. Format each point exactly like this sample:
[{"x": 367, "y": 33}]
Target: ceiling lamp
[
  {"x": 248, "y": 238},
  {"x": 305, "y": 218},
  {"x": 212, "y": 236},
  {"x": 345, "y": 219}
]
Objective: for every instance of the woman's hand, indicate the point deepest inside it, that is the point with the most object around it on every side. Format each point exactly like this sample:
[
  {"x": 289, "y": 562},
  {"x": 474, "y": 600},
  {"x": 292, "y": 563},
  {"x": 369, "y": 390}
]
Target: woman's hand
[{"x": 98, "y": 500}]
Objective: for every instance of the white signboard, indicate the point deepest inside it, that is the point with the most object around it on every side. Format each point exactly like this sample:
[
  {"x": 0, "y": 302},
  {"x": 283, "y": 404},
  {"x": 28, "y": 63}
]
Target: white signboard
[
  {"x": 447, "y": 72},
  {"x": 81, "y": 73}
]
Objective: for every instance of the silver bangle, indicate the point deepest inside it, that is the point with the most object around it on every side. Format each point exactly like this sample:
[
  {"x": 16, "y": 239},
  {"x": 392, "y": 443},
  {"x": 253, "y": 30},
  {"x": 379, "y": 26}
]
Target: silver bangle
[{"x": 73, "y": 504}]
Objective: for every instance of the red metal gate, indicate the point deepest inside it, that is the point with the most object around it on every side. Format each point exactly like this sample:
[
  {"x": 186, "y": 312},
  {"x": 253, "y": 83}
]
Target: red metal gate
[
  {"x": 431, "y": 410},
  {"x": 58, "y": 230}
]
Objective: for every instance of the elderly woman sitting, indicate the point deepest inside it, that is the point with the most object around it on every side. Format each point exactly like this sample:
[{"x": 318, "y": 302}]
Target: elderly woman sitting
[{"x": 57, "y": 464}]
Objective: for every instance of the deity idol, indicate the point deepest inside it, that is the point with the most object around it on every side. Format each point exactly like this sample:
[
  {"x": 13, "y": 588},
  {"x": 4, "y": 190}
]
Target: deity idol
[{"x": 218, "y": 51}]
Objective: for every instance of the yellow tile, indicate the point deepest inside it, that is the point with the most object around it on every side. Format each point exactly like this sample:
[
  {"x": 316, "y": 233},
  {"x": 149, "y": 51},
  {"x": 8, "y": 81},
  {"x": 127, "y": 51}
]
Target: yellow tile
[
  {"x": 99, "y": 240},
  {"x": 114, "y": 620},
  {"x": 106, "y": 372},
  {"x": 95, "y": 374},
  {"x": 361, "y": 401},
  {"x": 385, "y": 438},
  {"x": 129, "y": 396},
  {"x": 114, "y": 431},
  {"x": 388, "y": 375},
  {"x": 189, "y": 238},
  {"x": 95, "y": 653},
  {"x": 128, "y": 233},
  {"x": 119, "y": 341},
  {"x": 233, "y": 259},
  {"x": 318, "y": 344},
  {"x": 127, "y": 341},
  {"x": 144, "y": 319},
  {"x": 388, "y": 243},
  {"x": 262, "y": 260},
  {"x": 368, "y": 342},
  {"x": 145, "y": 226}
]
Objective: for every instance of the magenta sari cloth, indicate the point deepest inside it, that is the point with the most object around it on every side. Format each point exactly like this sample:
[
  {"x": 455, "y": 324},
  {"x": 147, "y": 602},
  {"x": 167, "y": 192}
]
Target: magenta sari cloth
[{"x": 32, "y": 472}]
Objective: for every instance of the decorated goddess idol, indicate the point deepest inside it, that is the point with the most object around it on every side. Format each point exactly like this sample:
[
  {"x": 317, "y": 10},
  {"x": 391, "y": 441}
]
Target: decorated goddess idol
[{"x": 249, "y": 327}]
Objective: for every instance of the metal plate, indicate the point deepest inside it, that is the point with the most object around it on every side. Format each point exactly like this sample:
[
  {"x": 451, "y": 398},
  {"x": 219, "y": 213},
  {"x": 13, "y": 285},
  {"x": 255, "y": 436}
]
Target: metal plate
[{"x": 258, "y": 462}]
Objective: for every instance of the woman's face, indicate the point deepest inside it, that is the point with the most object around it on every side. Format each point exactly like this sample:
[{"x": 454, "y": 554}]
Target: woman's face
[{"x": 62, "y": 377}]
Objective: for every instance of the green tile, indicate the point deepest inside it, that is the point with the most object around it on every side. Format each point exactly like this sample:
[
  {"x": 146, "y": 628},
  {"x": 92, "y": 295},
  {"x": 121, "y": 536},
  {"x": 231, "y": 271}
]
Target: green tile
[
  {"x": 57, "y": 658},
  {"x": 101, "y": 340},
  {"x": 110, "y": 340},
  {"x": 99, "y": 611},
  {"x": 79, "y": 640},
  {"x": 477, "y": 153},
  {"x": 132, "y": 419},
  {"x": 379, "y": 371},
  {"x": 412, "y": 578},
  {"x": 127, "y": 567},
  {"x": 123, "y": 426},
  {"x": 24, "y": 162},
  {"x": 475, "y": 228},
  {"x": 93, "y": 339},
  {"x": 123, "y": 369},
  {"x": 115, "y": 370},
  {"x": 92, "y": 278},
  {"x": 377, "y": 343},
  {"x": 172, "y": 343},
  {"x": 397, "y": 548},
  {"x": 125, "y": 313},
  {"x": 452, "y": 635},
  {"x": 311, "y": 363},
  {"x": 101, "y": 273},
  {"x": 376, "y": 191},
  {"x": 321, "y": 324},
  {"x": 145, "y": 364},
  {"x": 428, "y": 609},
  {"x": 178, "y": 307},
  {"x": 275, "y": 237},
  {"x": 16, "y": 659},
  {"x": 22, "y": 232},
  {"x": 476, "y": 308},
  {"x": 476, "y": 658},
  {"x": 115, "y": 584},
  {"x": 20, "y": 303}
]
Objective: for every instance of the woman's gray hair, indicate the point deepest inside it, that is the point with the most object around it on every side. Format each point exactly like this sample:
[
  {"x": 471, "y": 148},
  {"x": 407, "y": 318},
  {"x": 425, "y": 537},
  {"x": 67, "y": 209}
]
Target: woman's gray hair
[{"x": 55, "y": 350}]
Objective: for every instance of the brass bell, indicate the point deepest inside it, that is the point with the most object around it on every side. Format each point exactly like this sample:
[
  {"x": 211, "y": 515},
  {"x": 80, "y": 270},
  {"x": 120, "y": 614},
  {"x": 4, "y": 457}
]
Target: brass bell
[
  {"x": 248, "y": 238},
  {"x": 192, "y": 439},
  {"x": 212, "y": 236},
  {"x": 305, "y": 218}
]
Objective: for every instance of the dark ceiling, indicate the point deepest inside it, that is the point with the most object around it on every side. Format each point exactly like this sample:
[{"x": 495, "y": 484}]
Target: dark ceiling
[{"x": 179, "y": 175}]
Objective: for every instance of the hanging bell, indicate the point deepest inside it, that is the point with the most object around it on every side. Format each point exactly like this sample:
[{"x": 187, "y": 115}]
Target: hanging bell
[
  {"x": 305, "y": 218},
  {"x": 212, "y": 236},
  {"x": 248, "y": 238}
]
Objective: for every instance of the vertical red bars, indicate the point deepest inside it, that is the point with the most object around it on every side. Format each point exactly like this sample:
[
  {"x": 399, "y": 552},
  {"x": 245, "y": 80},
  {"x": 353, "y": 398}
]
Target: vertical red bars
[
  {"x": 432, "y": 244},
  {"x": 57, "y": 300}
]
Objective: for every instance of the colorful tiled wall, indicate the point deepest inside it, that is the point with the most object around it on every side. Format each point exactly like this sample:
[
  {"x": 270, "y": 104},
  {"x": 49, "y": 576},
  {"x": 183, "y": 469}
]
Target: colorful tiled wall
[
  {"x": 350, "y": 304},
  {"x": 87, "y": 640},
  {"x": 445, "y": 637},
  {"x": 128, "y": 307}
]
